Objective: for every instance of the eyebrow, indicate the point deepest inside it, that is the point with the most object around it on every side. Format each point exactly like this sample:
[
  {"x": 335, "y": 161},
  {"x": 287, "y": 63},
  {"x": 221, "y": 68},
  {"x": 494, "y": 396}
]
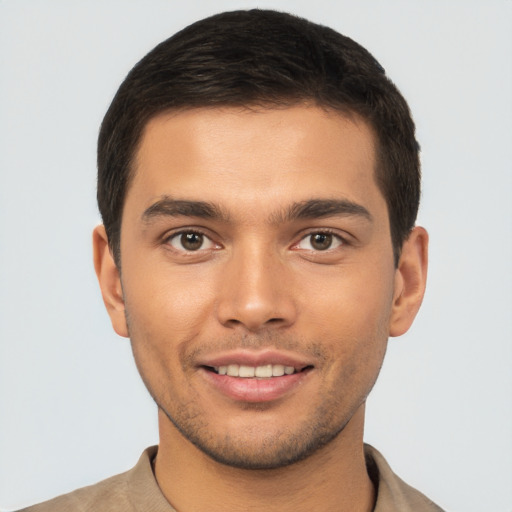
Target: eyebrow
[
  {"x": 310, "y": 209},
  {"x": 321, "y": 208},
  {"x": 169, "y": 207}
]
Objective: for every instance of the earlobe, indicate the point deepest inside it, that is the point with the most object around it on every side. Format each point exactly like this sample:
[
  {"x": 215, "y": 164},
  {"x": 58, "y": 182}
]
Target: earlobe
[
  {"x": 410, "y": 281},
  {"x": 109, "y": 280}
]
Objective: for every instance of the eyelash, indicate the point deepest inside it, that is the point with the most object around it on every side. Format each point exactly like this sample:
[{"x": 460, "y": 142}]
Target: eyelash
[
  {"x": 342, "y": 240},
  {"x": 175, "y": 236}
]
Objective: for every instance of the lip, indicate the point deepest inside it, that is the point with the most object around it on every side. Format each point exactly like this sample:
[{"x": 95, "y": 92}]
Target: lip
[
  {"x": 253, "y": 389},
  {"x": 251, "y": 358}
]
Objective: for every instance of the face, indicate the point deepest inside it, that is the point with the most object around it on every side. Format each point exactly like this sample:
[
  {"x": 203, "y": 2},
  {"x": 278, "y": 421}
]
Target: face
[{"x": 258, "y": 285}]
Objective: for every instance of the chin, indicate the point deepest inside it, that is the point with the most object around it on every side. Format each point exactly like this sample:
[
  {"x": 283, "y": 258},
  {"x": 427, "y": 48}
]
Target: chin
[{"x": 254, "y": 448}]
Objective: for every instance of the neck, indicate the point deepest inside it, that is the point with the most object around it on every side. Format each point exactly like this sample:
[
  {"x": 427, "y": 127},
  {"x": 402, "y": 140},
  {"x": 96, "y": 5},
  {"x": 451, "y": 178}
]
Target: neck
[{"x": 333, "y": 478}]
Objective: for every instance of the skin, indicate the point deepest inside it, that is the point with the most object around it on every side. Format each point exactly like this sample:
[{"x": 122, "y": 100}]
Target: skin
[{"x": 259, "y": 280}]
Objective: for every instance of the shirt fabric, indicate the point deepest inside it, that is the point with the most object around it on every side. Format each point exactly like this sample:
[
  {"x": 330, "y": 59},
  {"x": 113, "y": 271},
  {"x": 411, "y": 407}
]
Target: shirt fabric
[{"x": 137, "y": 491}]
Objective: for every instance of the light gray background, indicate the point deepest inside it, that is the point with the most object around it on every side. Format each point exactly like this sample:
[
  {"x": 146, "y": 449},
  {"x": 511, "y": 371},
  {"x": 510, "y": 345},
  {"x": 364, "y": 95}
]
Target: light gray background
[{"x": 72, "y": 407}]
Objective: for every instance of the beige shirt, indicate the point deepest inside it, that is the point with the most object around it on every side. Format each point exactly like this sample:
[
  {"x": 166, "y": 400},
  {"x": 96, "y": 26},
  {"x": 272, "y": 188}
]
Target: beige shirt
[{"x": 137, "y": 490}]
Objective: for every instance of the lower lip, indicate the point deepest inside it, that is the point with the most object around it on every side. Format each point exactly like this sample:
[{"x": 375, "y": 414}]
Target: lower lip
[{"x": 255, "y": 389}]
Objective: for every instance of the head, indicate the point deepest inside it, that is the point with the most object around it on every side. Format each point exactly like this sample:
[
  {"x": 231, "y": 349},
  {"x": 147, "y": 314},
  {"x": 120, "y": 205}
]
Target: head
[
  {"x": 260, "y": 59},
  {"x": 259, "y": 181}
]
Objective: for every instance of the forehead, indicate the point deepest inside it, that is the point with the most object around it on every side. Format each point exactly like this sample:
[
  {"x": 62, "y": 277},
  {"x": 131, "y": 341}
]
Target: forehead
[{"x": 245, "y": 158}]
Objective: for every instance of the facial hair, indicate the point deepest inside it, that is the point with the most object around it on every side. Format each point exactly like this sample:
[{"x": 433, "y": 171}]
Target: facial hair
[{"x": 255, "y": 447}]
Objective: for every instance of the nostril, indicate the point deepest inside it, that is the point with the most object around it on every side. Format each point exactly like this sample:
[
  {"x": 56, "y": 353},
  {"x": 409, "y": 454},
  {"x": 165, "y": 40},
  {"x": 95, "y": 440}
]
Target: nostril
[
  {"x": 255, "y": 312},
  {"x": 254, "y": 324}
]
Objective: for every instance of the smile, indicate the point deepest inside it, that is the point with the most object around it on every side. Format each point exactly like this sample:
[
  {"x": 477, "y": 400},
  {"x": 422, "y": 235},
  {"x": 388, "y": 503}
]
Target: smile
[
  {"x": 261, "y": 383},
  {"x": 263, "y": 372},
  {"x": 255, "y": 376}
]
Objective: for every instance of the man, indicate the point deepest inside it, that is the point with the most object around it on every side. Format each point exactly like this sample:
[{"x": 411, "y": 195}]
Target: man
[{"x": 258, "y": 180}]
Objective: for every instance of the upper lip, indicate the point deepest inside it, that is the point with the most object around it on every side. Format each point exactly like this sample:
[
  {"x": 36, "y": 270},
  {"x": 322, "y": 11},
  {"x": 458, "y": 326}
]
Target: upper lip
[{"x": 255, "y": 358}]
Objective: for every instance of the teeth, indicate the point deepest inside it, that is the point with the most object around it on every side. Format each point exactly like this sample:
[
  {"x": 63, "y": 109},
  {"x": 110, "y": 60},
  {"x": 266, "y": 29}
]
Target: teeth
[
  {"x": 246, "y": 371},
  {"x": 265, "y": 371},
  {"x": 277, "y": 370},
  {"x": 232, "y": 370}
]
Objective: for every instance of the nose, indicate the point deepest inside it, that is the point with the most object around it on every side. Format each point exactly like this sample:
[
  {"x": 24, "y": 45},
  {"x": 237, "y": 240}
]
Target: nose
[{"x": 256, "y": 292}]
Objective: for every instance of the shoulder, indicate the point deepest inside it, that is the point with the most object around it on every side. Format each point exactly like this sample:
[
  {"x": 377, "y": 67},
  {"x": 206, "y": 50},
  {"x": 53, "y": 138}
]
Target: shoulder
[
  {"x": 123, "y": 492},
  {"x": 105, "y": 495},
  {"x": 393, "y": 493}
]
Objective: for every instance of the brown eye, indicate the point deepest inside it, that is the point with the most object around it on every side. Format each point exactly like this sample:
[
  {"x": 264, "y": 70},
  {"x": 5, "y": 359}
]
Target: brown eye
[
  {"x": 320, "y": 241},
  {"x": 190, "y": 241}
]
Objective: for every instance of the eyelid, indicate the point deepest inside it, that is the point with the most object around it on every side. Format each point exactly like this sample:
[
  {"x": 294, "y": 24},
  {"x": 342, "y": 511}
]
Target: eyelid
[
  {"x": 166, "y": 239},
  {"x": 325, "y": 231}
]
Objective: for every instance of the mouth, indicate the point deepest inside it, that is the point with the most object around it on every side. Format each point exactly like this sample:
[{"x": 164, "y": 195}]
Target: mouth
[
  {"x": 266, "y": 371},
  {"x": 248, "y": 376}
]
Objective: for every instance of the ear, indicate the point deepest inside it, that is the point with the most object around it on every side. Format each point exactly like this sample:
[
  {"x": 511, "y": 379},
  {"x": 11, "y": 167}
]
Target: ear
[
  {"x": 109, "y": 280},
  {"x": 410, "y": 281}
]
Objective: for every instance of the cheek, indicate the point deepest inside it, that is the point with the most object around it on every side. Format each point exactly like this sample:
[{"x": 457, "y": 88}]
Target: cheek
[
  {"x": 161, "y": 325},
  {"x": 351, "y": 318},
  {"x": 167, "y": 304},
  {"x": 354, "y": 301},
  {"x": 357, "y": 341}
]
